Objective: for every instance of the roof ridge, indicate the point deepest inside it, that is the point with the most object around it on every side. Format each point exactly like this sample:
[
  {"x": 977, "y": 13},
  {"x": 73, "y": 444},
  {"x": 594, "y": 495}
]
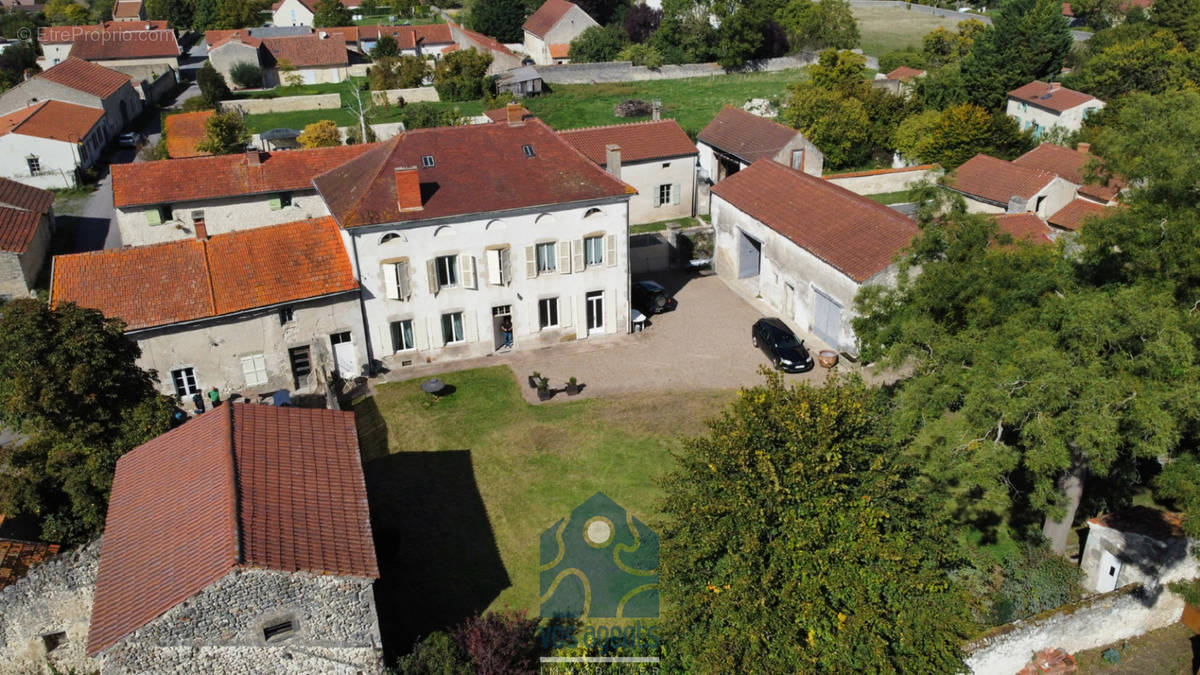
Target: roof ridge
[
  {"x": 36, "y": 109},
  {"x": 629, "y": 189},
  {"x": 383, "y": 163},
  {"x": 208, "y": 277},
  {"x": 614, "y": 126},
  {"x": 844, "y": 194},
  {"x": 239, "y": 549}
]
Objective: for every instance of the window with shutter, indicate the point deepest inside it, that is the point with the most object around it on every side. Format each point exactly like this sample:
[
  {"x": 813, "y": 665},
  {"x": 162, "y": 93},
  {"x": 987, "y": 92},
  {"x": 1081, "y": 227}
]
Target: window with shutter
[
  {"x": 390, "y": 285},
  {"x": 610, "y": 249},
  {"x": 152, "y": 216},
  {"x": 545, "y": 257},
  {"x": 467, "y": 268},
  {"x": 254, "y": 367},
  {"x": 577, "y": 255},
  {"x": 505, "y": 266},
  {"x": 675, "y": 191},
  {"x": 547, "y": 313},
  {"x": 276, "y": 203},
  {"x": 593, "y": 250},
  {"x": 404, "y": 280},
  {"x": 564, "y": 257},
  {"x": 431, "y": 273},
  {"x": 531, "y": 269},
  {"x": 402, "y": 336},
  {"x": 492, "y": 258}
]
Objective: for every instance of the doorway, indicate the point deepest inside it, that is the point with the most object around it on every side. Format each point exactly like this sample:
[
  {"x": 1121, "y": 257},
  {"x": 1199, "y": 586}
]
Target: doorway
[
  {"x": 1110, "y": 570},
  {"x": 345, "y": 361},
  {"x": 789, "y": 301},
  {"x": 499, "y": 313},
  {"x": 595, "y": 312},
  {"x": 827, "y": 318},
  {"x": 749, "y": 255}
]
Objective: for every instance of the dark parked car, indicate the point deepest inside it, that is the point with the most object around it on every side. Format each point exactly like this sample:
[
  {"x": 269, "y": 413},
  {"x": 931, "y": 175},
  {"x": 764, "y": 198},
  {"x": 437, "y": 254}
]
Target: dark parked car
[
  {"x": 786, "y": 351},
  {"x": 649, "y": 297},
  {"x": 130, "y": 139}
]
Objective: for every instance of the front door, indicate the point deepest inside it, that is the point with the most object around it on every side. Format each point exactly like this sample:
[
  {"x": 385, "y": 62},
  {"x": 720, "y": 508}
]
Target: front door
[
  {"x": 789, "y": 301},
  {"x": 499, "y": 313},
  {"x": 595, "y": 312},
  {"x": 344, "y": 358},
  {"x": 1110, "y": 569},
  {"x": 827, "y": 318},
  {"x": 749, "y": 255}
]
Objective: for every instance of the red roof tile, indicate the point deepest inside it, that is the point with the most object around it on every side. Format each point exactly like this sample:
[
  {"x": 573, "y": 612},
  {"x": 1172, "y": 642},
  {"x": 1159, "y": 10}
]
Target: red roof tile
[
  {"x": 17, "y": 557},
  {"x": 406, "y": 36},
  {"x": 547, "y": 15},
  {"x": 242, "y": 485},
  {"x": 1051, "y": 96},
  {"x": 307, "y": 51},
  {"x": 996, "y": 181},
  {"x": 184, "y": 131},
  {"x": 125, "y": 44},
  {"x": 480, "y": 40},
  {"x": 500, "y": 115},
  {"x": 1143, "y": 520},
  {"x": 66, "y": 34},
  {"x": 477, "y": 169},
  {"x": 560, "y": 50},
  {"x": 25, "y": 197},
  {"x": 1024, "y": 227},
  {"x": 54, "y": 120},
  {"x": 127, "y": 9},
  {"x": 639, "y": 141},
  {"x": 17, "y": 229},
  {"x": 162, "y": 284},
  {"x": 1069, "y": 165},
  {"x": 904, "y": 73},
  {"x": 90, "y": 78},
  {"x": 745, "y": 136},
  {"x": 855, "y": 235},
  {"x": 181, "y": 180},
  {"x": 1073, "y": 215}
]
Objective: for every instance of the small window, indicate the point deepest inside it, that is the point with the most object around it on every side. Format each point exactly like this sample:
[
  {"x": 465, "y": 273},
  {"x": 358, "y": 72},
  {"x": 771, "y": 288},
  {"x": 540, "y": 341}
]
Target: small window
[
  {"x": 388, "y": 237},
  {"x": 165, "y": 212},
  {"x": 666, "y": 165},
  {"x": 427, "y": 161},
  {"x": 340, "y": 338},
  {"x": 447, "y": 270},
  {"x": 593, "y": 251},
  {"x": 185, "y": 382},
  {"x": 275, "y": 632},
  {"x": 528, "y": 149},
  {"x": 35, "y": 165},
  {"x": 197, "y": 215},
  {"x": 52, "y": 641},
  {"x": 547, "y": 312},
  {"x": 546, "y": 257},
  {"x": 592, "y": 212},
  {"x": 502, "y": 310},
  {"x": 402, "y": 336},
  {"x": 287, "y": 315},
  {"x": 301, "y": 360},
  {"x": 285, "y": 199},
  {"x": 452, "y": 328}
]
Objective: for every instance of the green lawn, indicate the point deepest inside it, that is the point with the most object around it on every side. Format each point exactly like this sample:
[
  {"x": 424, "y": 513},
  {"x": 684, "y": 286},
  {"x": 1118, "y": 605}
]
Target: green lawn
[
  {"x": 662, "y": 225},
  {"x": 693, "y": 102},
  {"x": 899, "y": 197},
  {"x": 299, "y": 118},
  {"x": 461, "y": 487},
  {"x": 885, "y": 29}
]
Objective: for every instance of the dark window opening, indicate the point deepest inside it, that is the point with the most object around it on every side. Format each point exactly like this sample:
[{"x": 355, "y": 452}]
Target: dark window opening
[
  {"x": 278, "y": 631},
  {"x": 52, "y": 641},
  {"x": 287, "y": 315},
  {"x": 301, "y": 359},
  {"x": 427, "y": 161},
  {"x": 528, "y": 150}
]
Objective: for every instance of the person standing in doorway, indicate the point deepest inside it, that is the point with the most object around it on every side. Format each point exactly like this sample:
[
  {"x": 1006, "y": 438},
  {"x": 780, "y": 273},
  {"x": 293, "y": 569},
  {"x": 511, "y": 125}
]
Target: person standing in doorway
[{"x": 506, "y": 327}]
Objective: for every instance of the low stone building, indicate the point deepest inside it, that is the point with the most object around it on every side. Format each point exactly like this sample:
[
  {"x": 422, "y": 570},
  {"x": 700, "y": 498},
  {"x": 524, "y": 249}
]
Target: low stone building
[
  {"x": 26, "y": 226},
  {"x": 503, "y": 58},
  {"x": 45, "y": 615},
  {"x": 56, "y": 41},
  {"x": 47, "y": 144},
  {"x": 1041, "y": 106},
  {"x": 81, "y": 83},
  {"x": 1071, "y": 166},
  {"x": 1139, "y": 545},
  {"x": 991, "y": 185},
  {"x": 735, "y": 139},
  {"x": 550, "y": 30}
]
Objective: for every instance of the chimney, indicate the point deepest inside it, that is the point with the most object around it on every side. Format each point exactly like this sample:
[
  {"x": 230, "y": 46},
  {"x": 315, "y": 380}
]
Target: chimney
[
  {"x": 1017, "y": 205},
  {"x": 612, "y": 159},
  {"x": 1055, "y": 86},
  {"x": 1085, "y": 148},
  {"x": 656, "y": 110},
  {"x": 515, "y": 118},
  {"x": 408, "y": 189},
  {"x": 323, "y": 35},
  {"x": 201, "y": 230},
  {"x": 253, "y": 158}
]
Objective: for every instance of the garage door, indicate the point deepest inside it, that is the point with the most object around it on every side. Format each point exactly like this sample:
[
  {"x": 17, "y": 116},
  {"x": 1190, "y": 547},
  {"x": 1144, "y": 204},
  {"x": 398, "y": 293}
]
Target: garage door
[{"x": 827, "y": 318}]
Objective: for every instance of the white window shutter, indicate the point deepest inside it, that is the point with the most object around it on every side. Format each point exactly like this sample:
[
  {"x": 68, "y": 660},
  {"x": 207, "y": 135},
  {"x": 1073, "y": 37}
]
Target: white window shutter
[
  {"x": 610, "y": 250},
  {"x": 581, "y": 312},
  {"x": 530, "y": 262},
  {"x": 564, "y": 257},
  {"x": 494, "y": 268},
  {"x": 610, "y": 312},
  {"x": 390, "y": 284},
  {"x": 248, "y": 369},
  {"x": 384, "y": 339},
  {"x": 420, "y": 332},
  {"x": 675, "y": 193},
  {"x": 577, "y": 254},
  {"x": 469, "y": 329},
  {"x": 431, "y": 272},
  {"x": 505, "y": 266},
  {"x": 404, "y": 280},
  {"x": 153, "y": 217},
  {"x": 564, "y": 312},
  {"x": 466, "y": 264}
]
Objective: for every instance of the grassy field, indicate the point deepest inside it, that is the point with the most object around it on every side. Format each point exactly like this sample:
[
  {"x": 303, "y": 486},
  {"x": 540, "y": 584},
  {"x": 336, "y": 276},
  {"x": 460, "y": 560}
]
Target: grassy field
[
  {"x": 692, "y": 102},
  {"x": 884, "y": 29},
  {"x": 297, "y": 119},
  {"x": 461, "y": 487},
  {"x": 899, "y": 197}
]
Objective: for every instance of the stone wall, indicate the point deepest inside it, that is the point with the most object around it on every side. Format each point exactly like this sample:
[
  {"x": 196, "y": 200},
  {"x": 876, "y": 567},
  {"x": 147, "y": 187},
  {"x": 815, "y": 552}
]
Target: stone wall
[
  {"x": 55, "y": 597},
  {"x": 884, "y": 180},
  {"x": 258, "y": 106},
  {"x": 1090, "y": 623},
  {"x": 411, "y": 95},
  {"x": 625, "y": 71},
  {"x": 221, "y": 628}
]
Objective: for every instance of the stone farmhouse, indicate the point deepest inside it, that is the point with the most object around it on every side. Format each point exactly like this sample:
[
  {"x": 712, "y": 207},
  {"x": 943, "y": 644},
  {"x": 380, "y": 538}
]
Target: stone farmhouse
[
  {"x": 805, "y": 245},
  {"x": 57, "y": 41},
  {"x": 147, "y": 52},
  {"x": 317, "y": 58},
  {"x": 26, "y": 225},
  {"x": 300, "y": 12},
  {"x": 1071, "y": 166},
  {"x": 82, "y": 83},
  {"x": 503, "y": 58},
  {"x": 657, "y": 158},
  {"x": 549, "y": 31},
  {"x": 46, "y": 144},
  {"x": 735, "y": 139},
  {"x": 1041, "y": 106}
]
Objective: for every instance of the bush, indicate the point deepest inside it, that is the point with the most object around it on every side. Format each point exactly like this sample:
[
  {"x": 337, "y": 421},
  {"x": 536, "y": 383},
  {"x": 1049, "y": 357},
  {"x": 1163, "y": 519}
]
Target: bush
[
  {"x": 597, "y": 44},
  {"x": 642, "y": 55},
  {"x": 437, "y": 653},
  {"x": 195, "y": 103},
  {"x": 321, "y": 134},
  {"x": 354, "y": 135},
  {"x": 462, "y": 76},
  {"x": 901, "y": 57},
  {"x": 425, "y": 115},
  {"x": 246, "y": 75},
  {"x": 212, "y": 85}
]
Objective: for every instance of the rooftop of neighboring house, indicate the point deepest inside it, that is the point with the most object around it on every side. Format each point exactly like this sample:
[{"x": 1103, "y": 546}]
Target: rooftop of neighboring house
[
  {"x": 1072, "y": 216},
  {"x": 1143, "y": 520},
  {"x": 1024, "y": 227},
  {"x": 127, "y": 9},
  {"x": 253, "y": 36},
  {"x": 125, "y": 44},
  {"x": 500, "y": 115},
  {"x": 67, "y": 34},
  {"x": 90, "y": 78},
  {"x": 560, "y": 50},
  {"x": 1070, "y": 165},
  {"x": 307, "y": 51},
  {"x": 463, "y": 170},
  {"x": 1051, "y": 96},
  {"x": 521, "y": 74},
  {"x": 853, "y": 234},
  {"x": 639, "y": 141},
  {"x": 182, "y": 180},
  {"x": 407, "y": 36},
  {"x": 198, "y": 278},
  {"x": 54, "y": 120},
  {"x": 905, "y": 73},
  {"x": 995, "y": 180},
  {"x": 242, "y": 486},
  {"x": 184, "y": 131},
  {"x": 746, "y": 136},
  {"x": 546, "y": 16},
  {"x": 21, "y": 209},
  {"x": 311, "y": 5},
  {"x": 17, "y": 557},
  {"x": 479, "y": 40}
]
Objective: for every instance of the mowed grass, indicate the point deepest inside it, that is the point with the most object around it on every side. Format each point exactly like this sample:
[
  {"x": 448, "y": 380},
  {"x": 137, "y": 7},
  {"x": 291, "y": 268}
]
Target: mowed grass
[
  {"x": 885, "y": 29},
  {"x": 692, "y": 102},
  {"x": 461, "y": 487},
  {"x": 343, "y": 117}
]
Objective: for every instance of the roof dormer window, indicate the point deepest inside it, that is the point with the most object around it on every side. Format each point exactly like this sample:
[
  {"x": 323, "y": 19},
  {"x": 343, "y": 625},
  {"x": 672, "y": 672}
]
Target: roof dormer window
[
  {"x": 528, "y": 150},
  {"x": 427, "y": 161}
]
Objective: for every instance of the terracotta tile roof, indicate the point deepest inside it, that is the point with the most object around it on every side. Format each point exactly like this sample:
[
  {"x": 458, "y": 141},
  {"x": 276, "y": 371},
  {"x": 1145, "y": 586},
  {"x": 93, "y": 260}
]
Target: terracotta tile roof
[
  {"x": 547, "y": 15},
  {"x": 406, "y": 36},
  {"x": 478, "y": 169},
  {"x": 1143, "y": 520},
  {"x": 904, "y": 73},
  {"x": 500, "y": 115},
  {"x": 1051, "y": 96},
  {"x": 995, "y": 180},
  {"x": 54, "y": 120},
  {"x": 21, "y": 211},
  {"x": 65, "y": 34},
  {"x": 639, "y": 141},
  {"x": 17, "y": 557},
  {"x": 307, "y": 51},
  {"x": 184, "y": 131},
  {"x": 182, "y": 180},
  {"x": 745, "y": 136},
  {"x": 1069, "y": 165},
  {"x": 217, "y": 38},
  {"x": 25, "y": 197},
  {"x": 560, "y": 51},
  {"x": 125, "y": 44},
  {"x": 193, "y": 279},
  {"x": 90, "y": 78},
  {"x": 480, "y": 40},
  {"x": 855, "y": 235},
  {"x": 1073, "y": 215},
  {"x": 127, "y": 9},
  {"x": 1024, "y": 227},
  {"x": 240, "y": 486}
]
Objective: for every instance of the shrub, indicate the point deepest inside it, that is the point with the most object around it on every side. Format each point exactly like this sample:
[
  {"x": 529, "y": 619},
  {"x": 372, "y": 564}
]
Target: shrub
[
  {"x": 424, "y": 115},
  {"x": 246, "y": 75},
  {"x": 321, "y": 134},
  {"x": 195, "y": 103},
  {"x": 354, "y": 135},
  {"x": 642, "y": 55},
  {"x": 437, "y": 653}
]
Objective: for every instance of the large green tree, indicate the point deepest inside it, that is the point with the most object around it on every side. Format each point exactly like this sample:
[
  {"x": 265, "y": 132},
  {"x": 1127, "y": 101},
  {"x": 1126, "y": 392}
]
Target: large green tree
[
  {"x": 1028, "y": 40},
  {"x": 1181, "y": 17},
  {"x": 795, "y": 542},
  {"x": 71, "y": 389},
  {"x": 329, "y": 13},
  {"x": 1134, "y": 58},
  {"x": 597, "y": 44},
  {"x": 501, "y": 19},
  {"x": 819, "y": 25},
  {"x": 177, "y": 13},
  {"x": 462, "y": 75},
  {"x": 956, "y": 134},
  {"x": 242, "y": 13},
  {"x": 213, "y": 88}
]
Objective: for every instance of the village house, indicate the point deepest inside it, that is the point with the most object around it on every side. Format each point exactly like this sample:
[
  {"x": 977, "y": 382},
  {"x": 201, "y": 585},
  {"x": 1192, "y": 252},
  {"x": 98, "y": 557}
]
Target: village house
[
  {"x": 247, "y": 312},
  {"x": 453, "y": 229},
  {"x": 315, "y": 58},
  {"x": 657, "y": 158},
  {"x": 1136, "y": 545},
  {"x": 148, "y": 55},
  {"x": 426, "y": 41},
  {"x": 1041, "y": 106},
  {"x": 56, "y": 41},
  {"x": 47, "y": 144},
  {"x": 1077, "y": 211},
  {"x": 991, "y": 185},
  {"x": 18, "y": 556},
  {"x": 160, "y": 201},
  {"x": 128, "y": 10},
  {"x": 805, "y": 245},
  {"x": 82, "y": 83},
  {"x": 26, "y": 224},
  {"x": 1071, "y": 166},
  {"x": 735, "y": 139},
  {"x": 1025, "y": 227},
  {"x": 300, "y": 12},
  {"x": 548, "y": 33},
  {"x": 503, "y": 58}
]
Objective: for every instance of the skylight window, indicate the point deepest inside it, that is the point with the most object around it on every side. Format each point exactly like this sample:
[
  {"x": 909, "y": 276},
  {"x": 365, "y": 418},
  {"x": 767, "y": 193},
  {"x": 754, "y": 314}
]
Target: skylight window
[
  {"x": 426, "y": 161},
  {"x": 528, "y": 150}
]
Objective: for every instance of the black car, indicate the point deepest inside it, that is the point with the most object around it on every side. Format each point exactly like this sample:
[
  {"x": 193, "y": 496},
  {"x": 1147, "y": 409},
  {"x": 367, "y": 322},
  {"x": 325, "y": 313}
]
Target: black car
[
  {"x": 649, "y": 297},
  {"x": 782, "y": 347}
]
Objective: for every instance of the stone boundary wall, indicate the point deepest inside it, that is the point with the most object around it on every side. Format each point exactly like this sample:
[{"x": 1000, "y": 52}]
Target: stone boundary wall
[
  {"x": 411, "y": 95},
  {"x": 258, "y": 106},
  {"x": 884, "y": 180},
  {"x": 1092, "y": 622},
  {"x": 625, "y": 71}
]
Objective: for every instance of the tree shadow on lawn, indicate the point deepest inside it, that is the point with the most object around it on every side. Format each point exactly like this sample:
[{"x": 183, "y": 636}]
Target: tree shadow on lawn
[{"x": 438, "y": 560}]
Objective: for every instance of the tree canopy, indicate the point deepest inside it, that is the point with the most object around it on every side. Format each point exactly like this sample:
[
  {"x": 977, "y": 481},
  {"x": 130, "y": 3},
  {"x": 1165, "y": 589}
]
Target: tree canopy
[
  {"x": 320, "y": 134},
  {"x": 462, "y": 75},
  {"x": 329, "y": 13},
  {"x": 1028, "y": 40},
  {"x": 501, "y": 19},
  {"x": 213, "y": 88},
  {"x": 225, "y": 133},
  {"x": 819, "y": 25},
  {"x": 597, "y": 44}
]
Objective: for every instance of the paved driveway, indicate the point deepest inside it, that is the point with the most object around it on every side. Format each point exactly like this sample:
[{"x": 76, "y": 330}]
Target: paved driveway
[{"x": 703, "y": 344}]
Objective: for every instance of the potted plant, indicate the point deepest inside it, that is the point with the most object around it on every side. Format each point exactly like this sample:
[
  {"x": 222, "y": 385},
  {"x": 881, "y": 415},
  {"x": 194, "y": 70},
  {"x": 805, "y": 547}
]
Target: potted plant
[
  {"x": 534, "y": 379},
  {"x": 543, "y": 389},
  {"x": 572, "y": 386}
]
